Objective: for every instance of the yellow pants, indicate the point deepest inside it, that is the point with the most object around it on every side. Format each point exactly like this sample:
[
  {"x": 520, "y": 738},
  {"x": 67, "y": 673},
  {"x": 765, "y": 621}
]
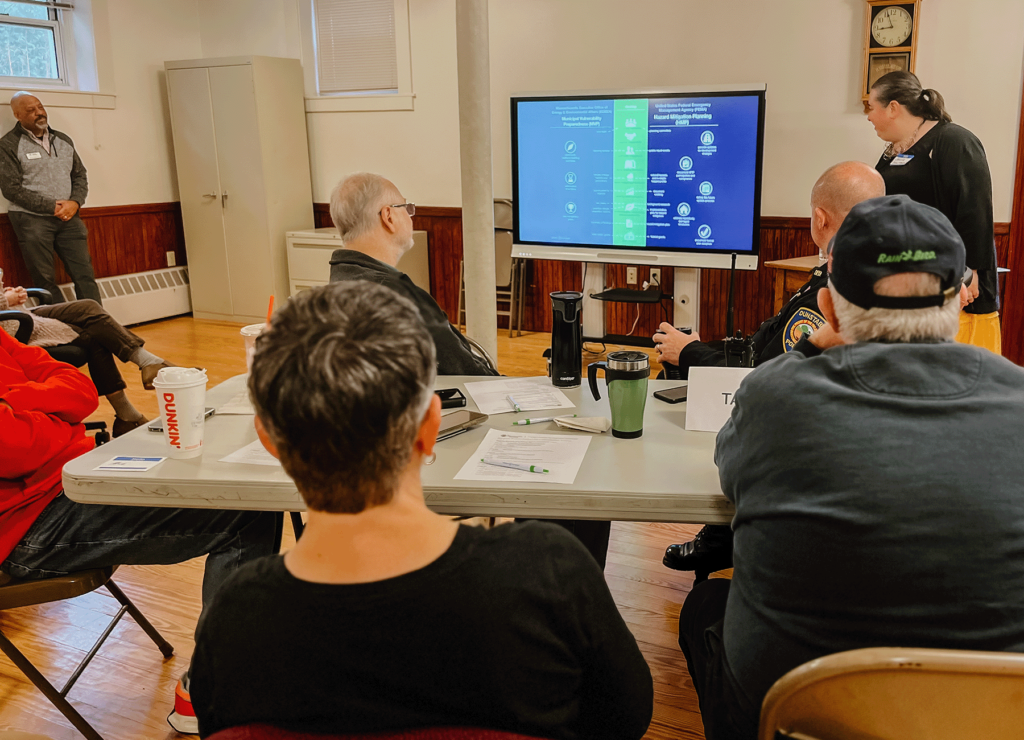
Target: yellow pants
[{"x": 981, "y": 330}]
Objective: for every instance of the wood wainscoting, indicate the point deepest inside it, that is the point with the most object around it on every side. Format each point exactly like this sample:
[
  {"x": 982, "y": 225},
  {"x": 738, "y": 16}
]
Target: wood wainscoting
[
  {"x": 781, "y": 238},
  {"x": 122, "y": 240},
  {"x": 136, "y": 238}
]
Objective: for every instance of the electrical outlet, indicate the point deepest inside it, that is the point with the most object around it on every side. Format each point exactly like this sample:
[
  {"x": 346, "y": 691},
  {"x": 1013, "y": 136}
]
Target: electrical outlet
[
  {"x": 656, "y": 276},
  {"x": 171, "y": 260},
  {"x": 631, "y": 276}
]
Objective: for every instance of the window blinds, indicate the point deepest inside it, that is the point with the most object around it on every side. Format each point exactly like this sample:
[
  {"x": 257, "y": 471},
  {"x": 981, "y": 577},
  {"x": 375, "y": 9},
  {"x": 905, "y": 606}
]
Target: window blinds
[{"x": 356, "y": 45}]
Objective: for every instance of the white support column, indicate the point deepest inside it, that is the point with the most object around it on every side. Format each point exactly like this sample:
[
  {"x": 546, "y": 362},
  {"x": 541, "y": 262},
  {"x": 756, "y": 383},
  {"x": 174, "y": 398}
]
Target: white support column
[{"x": 471, "y": 28}]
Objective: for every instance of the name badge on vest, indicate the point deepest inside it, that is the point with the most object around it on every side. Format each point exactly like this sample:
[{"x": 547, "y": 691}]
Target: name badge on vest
[
  {"x": 33, "y": 155},
  {"x": 900, "y": 159}
]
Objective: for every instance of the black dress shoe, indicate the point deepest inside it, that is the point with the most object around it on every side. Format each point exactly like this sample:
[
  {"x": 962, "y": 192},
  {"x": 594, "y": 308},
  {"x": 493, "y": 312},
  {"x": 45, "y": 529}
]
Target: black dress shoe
[{"x": 709, "y": 551}]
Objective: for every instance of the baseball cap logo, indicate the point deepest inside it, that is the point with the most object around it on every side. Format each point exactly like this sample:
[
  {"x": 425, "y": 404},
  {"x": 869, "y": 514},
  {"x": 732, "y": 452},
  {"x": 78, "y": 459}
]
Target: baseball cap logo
[{"x": 907, "y": 256}]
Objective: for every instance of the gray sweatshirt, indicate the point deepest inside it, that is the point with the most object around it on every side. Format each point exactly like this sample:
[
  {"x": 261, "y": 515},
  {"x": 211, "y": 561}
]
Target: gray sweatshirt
[
  {"x": 879, "y": 493},
  {"x": 33, "y": 179}
]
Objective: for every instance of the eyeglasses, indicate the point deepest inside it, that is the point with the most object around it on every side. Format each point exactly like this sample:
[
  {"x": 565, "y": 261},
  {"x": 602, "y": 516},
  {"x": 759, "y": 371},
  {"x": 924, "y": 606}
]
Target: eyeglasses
[{"x": 409, "y": 207}]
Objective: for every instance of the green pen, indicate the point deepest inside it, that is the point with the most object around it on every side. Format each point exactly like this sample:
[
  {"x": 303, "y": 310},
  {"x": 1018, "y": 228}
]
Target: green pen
[
  {"x": 515, "y": 466},
  {"x": 524, "y": 422}
]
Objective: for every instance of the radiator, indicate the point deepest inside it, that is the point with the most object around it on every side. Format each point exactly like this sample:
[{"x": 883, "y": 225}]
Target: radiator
[{"x": 143, "y": 296}]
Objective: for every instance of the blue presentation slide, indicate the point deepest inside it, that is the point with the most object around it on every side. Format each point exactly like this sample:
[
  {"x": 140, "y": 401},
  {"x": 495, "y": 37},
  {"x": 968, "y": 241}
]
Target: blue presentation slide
[{"x": 661, "y": 173}]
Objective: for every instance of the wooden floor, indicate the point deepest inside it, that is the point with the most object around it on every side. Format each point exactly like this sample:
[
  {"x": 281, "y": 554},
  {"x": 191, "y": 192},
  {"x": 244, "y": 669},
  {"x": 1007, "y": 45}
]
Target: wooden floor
[{"x": 128, "y": 690}]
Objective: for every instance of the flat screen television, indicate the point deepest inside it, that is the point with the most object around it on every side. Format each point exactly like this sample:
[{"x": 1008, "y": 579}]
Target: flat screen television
[{"x": 671, "y": 177}]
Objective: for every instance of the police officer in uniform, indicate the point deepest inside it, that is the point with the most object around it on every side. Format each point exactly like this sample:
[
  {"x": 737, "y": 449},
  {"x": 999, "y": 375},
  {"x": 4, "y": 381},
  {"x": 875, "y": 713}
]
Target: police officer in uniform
[
  {"x": 839, "y": 189},
  {"x": 776, "y": 336}
]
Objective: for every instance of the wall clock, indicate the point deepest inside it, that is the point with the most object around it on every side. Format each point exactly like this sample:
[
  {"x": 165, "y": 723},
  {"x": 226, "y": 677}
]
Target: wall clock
[{"x": 890, "y": 41}]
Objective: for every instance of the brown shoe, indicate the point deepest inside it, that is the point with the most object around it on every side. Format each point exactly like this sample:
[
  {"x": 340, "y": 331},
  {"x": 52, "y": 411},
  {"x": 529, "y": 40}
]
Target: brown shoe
[
  {"x": 123, "y": 427},
  {"x": 149, "y": 373}
]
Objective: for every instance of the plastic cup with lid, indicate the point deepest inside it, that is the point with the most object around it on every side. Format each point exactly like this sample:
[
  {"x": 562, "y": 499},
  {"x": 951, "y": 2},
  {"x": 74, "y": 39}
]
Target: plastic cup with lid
[
  {"x": 181, "y": 395},
  {"x": 249, "y": 334}
]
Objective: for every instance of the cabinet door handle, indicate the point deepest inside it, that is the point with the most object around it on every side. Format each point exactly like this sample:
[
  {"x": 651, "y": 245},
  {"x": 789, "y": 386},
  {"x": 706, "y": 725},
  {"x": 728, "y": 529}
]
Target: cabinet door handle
[
  {"x": 209, "y": 195},
  {"x": 223, "y": 199}
]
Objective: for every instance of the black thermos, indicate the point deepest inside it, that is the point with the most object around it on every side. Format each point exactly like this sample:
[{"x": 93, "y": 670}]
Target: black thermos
[{"x": 566, "y": 339}]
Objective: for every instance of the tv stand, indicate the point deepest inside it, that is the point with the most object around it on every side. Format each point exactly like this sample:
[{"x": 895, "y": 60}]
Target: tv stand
[{"x": 685, "y": 301}]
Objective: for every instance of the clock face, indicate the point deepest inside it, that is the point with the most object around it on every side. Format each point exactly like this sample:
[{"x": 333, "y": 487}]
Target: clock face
[{"x": 892, "y": 26}]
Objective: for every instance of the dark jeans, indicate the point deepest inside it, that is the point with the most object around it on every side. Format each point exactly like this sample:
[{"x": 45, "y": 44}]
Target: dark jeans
[
  {"x": 69, "y": 537},
  {"x": 99, "y": 335},
  {"x": 725, "y": 711},
  {"x": 40, "y": 236}
]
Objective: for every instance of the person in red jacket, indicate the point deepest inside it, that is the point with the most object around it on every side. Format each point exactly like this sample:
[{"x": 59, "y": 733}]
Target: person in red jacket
[{"x": 45, "y": 534}]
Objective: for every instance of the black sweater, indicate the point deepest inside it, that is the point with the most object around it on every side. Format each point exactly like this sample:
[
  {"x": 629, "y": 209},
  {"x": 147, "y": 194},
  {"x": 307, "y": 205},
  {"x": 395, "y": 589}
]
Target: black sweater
[
  {"x": 454, "y": 355},
  {"x": 948, "y": 171},
  {"x": 512, "y": 628}
]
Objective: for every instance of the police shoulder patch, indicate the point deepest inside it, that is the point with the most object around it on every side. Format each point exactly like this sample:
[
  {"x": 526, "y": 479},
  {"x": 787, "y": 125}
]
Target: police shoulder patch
[{"x": 801, "y": 324}]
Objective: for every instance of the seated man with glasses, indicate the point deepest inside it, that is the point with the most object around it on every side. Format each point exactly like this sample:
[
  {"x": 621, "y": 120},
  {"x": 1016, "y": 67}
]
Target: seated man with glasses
[{"x": 375, "y": 224}]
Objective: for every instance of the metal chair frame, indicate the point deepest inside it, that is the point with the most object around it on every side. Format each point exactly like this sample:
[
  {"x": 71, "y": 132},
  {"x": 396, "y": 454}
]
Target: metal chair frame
[{"x": 76, "y": 584}]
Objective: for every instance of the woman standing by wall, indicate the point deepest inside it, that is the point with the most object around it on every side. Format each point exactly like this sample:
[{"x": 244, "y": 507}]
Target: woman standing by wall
[{"x": 943, "y": 165}]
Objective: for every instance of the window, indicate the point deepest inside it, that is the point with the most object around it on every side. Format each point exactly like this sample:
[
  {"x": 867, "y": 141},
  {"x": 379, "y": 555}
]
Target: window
[
  {"x": 356, "y": 55},
  {"x": 31, "y": 47},
  {"x": 355, "y": 46}
]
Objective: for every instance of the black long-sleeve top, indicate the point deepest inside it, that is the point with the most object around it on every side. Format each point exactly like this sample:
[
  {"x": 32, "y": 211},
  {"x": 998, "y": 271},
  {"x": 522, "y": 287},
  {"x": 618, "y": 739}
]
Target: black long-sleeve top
[
  {"x": 512, "y": 629},
  {"x": 948, "y": 170},
  {"x": 454, "y": 354}
]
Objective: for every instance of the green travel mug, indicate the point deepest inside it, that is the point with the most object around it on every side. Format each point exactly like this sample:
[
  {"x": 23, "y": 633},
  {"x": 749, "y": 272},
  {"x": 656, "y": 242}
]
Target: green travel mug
[{"x": 626, "y": 374}]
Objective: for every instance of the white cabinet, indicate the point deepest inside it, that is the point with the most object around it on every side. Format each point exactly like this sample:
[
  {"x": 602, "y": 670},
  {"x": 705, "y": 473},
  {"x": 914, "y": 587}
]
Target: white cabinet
[
  {"x": 309, "y": 258},
  {"x": 240, "y": 148}
]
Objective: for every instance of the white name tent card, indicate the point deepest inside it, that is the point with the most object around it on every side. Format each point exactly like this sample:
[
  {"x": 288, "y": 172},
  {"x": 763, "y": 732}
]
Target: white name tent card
[{"x": 711, "y": 395}]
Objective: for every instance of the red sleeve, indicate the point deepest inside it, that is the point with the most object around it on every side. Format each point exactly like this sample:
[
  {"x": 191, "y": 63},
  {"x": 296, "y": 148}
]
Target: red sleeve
[
  {"x": 30, "y": 439},
  {"x": 53, "y": 387}
]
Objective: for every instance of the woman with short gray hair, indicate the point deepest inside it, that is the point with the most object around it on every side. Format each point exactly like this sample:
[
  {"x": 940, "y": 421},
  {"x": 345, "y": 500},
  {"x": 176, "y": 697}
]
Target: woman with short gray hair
[{"x": 386, "y": 616}]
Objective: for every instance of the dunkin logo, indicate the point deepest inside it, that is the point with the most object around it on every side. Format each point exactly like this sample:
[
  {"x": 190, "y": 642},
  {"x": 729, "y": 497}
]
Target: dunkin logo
[{"x": 173, "y": 430}]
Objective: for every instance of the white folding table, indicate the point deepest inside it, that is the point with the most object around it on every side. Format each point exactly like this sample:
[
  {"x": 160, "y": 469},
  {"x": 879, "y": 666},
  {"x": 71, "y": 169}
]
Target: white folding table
[{"x": 667, "y": 475}]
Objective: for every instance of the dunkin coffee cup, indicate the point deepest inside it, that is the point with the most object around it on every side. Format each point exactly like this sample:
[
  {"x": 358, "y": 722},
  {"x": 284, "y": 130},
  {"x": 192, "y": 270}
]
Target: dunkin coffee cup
[
  {"x": 181, "y": 395},
  {"x": 249, "y": 334}
]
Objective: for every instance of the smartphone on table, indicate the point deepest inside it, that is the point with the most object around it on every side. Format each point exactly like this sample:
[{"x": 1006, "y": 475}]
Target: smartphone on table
[{"x": 672, "y": 395}]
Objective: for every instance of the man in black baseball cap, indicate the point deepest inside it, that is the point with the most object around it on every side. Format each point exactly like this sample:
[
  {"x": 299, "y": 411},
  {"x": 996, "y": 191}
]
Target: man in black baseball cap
[
  {"x": 890, "y": 236},
  {"x": 865, "y": 476}
]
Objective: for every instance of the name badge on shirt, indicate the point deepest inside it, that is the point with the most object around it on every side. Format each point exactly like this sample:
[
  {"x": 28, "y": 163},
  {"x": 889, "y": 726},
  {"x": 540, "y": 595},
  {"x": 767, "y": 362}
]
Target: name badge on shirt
[
  {"x": 900, "y": 159},
  {"x": 33, "y": 155}
]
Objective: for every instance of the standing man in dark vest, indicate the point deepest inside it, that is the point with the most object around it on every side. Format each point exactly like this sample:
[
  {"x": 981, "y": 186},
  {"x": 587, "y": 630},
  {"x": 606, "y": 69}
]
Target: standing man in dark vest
[{"x": 45, "y": 181}]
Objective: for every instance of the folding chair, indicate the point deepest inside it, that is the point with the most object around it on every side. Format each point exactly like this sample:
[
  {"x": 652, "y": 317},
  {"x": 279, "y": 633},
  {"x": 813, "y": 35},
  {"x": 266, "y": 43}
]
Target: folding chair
[
  {"x": 15, "y": 593},
  {"x": 899, "y": 693}
]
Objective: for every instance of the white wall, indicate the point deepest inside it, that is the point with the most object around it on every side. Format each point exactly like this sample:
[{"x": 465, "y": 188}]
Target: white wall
[
  {"x": 229, "y": 28},
  {"x": 808, "y": 53},
  {"x": 128, "y": 150}
]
